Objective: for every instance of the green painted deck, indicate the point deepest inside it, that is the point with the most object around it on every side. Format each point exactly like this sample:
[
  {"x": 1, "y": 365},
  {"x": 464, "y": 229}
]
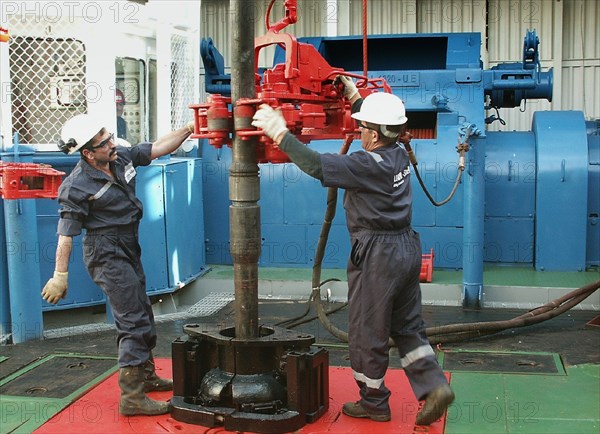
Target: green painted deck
[
  {"x": 492, "y": 275},
  {"x": 515, "y": 403},
  {"x": 26, "y": 412}
]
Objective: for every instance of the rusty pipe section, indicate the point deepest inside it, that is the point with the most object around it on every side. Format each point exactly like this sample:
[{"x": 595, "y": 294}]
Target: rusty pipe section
[{"x": 244, "y": 187}]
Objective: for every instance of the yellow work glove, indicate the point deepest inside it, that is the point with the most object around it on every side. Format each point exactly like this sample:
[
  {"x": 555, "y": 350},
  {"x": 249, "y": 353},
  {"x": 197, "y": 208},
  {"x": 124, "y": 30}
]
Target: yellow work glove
[
  {"x": 349, "y": 87},
  {"x": 270, "y": 121},
  {"x": 56, "y": 287},
  {"x": 190, "y": 126}
]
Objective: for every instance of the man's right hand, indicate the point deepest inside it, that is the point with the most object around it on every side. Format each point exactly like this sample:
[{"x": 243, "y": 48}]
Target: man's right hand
[
  {"x": 271, "y": 121},
  {"x": 56, "y": 287}
]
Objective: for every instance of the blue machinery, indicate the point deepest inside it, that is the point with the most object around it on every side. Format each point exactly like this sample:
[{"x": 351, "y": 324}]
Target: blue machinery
[{"x": 526, "y": 198}]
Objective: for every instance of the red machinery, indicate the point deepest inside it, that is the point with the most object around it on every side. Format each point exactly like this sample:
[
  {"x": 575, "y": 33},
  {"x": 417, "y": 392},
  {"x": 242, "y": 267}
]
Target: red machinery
[
  {"x": 426, "y": 274},
  {"x": 4, "y": 36},
  {"x": 29, "y": 181},
  {"x": 302, "y": 88}
]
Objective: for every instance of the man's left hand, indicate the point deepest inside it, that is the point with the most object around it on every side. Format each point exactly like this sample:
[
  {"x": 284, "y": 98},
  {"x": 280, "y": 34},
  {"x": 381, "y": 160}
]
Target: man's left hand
[
  {"x": 271, "y": 121},
  {"x": 56, "y": 287}
]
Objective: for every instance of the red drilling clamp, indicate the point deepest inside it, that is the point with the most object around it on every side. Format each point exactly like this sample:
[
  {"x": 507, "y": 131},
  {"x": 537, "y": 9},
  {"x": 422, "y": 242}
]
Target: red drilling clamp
[
  {"x": 29, "y": 181},
  {"x": 303, "y": 88}
]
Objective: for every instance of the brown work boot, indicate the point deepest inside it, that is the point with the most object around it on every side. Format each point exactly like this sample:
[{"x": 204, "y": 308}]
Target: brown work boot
[
  {"x": 133, "y": 399},
  {"x": 153, "y": 382},
  {"x": 436, "y": 403},
  {"x": 355, "y": 409}
]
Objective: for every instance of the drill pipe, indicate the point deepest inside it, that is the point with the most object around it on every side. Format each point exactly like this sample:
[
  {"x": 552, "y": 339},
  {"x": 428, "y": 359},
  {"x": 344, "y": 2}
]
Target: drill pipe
[{"x": 244, "y": 187}]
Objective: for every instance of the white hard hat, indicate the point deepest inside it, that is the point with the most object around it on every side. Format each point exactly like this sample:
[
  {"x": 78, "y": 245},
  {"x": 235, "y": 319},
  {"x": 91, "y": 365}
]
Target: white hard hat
[
  {"x": 77, "y": 131},
  {"x": 382, "y": 109}
]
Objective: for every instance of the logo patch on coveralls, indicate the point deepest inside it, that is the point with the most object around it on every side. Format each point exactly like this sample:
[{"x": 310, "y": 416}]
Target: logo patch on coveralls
[
  {"x": 399, "y": 177},
  {"x": 129, "y": 172}
]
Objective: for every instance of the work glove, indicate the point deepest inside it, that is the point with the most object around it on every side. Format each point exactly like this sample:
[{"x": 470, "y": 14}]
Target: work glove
[
  {"x": 190, "y": 126},
  {"x": 271, "y": 121},
  {"x": 405, "y": 138},
  {"x": 349, "y": 87},
  {"x": 56, "y": 287}
]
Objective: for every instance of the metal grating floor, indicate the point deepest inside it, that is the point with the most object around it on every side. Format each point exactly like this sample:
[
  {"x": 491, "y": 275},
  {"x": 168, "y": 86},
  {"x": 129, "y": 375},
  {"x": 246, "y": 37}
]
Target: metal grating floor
[{"x": 210, "y": 304}]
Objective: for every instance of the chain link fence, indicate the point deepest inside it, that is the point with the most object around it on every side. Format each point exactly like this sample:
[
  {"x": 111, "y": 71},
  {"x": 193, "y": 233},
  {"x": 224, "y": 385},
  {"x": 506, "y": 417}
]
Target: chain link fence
[
  {"x": 182, "y": 80},
  {"x": 48, "y": 78}
]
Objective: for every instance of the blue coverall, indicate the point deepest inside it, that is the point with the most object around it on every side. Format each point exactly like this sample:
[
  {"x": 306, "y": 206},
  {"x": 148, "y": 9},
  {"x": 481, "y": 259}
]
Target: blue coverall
[
  {"x": 384, "y": 295},
  {"x": 110, "y": 212}
]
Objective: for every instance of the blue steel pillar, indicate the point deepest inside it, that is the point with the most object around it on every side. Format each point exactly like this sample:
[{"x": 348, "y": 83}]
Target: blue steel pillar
[
  {"x": 474, "y": 211},
  {"x": 22, "y": 258},
  {"x": 4, "y": 297}
]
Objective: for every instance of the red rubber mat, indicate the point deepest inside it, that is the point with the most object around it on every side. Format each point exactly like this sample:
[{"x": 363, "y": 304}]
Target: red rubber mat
[{"x": 98, "y": 411}]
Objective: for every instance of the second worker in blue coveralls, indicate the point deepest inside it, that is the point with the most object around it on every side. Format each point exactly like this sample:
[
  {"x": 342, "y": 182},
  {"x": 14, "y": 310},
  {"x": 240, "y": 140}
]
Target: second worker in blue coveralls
[
  {"x": 99, "y": 196},
  {"x": 384, "y": 295}
]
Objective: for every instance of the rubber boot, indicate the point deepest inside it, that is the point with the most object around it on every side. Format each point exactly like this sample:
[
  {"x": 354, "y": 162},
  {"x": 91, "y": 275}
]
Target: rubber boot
[
  {"x": 153, "y": 382},
  {"x": 436, "y": 403},
  {"x": 133, "y": 399},
  {"x": 355, "y": 409}
]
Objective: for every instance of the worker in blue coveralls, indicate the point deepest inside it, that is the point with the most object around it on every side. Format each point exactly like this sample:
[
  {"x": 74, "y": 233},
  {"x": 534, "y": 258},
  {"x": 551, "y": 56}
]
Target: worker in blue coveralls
[
  {"x": 384, "y": 296},
  {"x": 122, "y": 129},
  {"x": 99, "y": 195}
]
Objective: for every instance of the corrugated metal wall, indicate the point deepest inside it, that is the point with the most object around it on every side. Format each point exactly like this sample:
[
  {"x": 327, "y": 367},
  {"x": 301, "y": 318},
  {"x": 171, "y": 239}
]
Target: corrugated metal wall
[
  {"x": 383, "y": 17},
  {"x": 568, "y": 32},
  {"x": 216, "y": 22},
  {"x": 581, "y": 57},
  {"x": 444, "y": 16}
]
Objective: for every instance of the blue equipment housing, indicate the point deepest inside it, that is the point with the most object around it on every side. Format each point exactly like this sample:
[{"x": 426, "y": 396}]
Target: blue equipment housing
[
  {"x": 523, "y": 200},
  {"x": 172, "y": 252}
]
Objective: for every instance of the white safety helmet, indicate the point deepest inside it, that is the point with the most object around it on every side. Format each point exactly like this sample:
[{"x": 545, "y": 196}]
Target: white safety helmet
[
  {"x": 382, "y": 109},
  {"x": 77, "y": 131}
]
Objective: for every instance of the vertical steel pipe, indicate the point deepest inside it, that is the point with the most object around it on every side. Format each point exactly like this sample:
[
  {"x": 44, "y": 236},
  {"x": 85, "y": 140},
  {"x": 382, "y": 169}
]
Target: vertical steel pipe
[
  {"x": 244, "y": 187},
  {"x": 22, "y": 259},
  {"x": 474, "y": 212},
  {"x": 5, "y": 327}
]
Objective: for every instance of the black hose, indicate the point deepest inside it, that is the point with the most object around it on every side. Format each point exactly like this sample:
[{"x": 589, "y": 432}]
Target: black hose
[
  {"x": 311, "y": 318},
  {"x": 316, "y": 275},
  {"x": 413, "y": 161},
  {"x": 290, "y": 322},
  {"x": 451, "y": 332},
  {"x": 431, "y": 199}
]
